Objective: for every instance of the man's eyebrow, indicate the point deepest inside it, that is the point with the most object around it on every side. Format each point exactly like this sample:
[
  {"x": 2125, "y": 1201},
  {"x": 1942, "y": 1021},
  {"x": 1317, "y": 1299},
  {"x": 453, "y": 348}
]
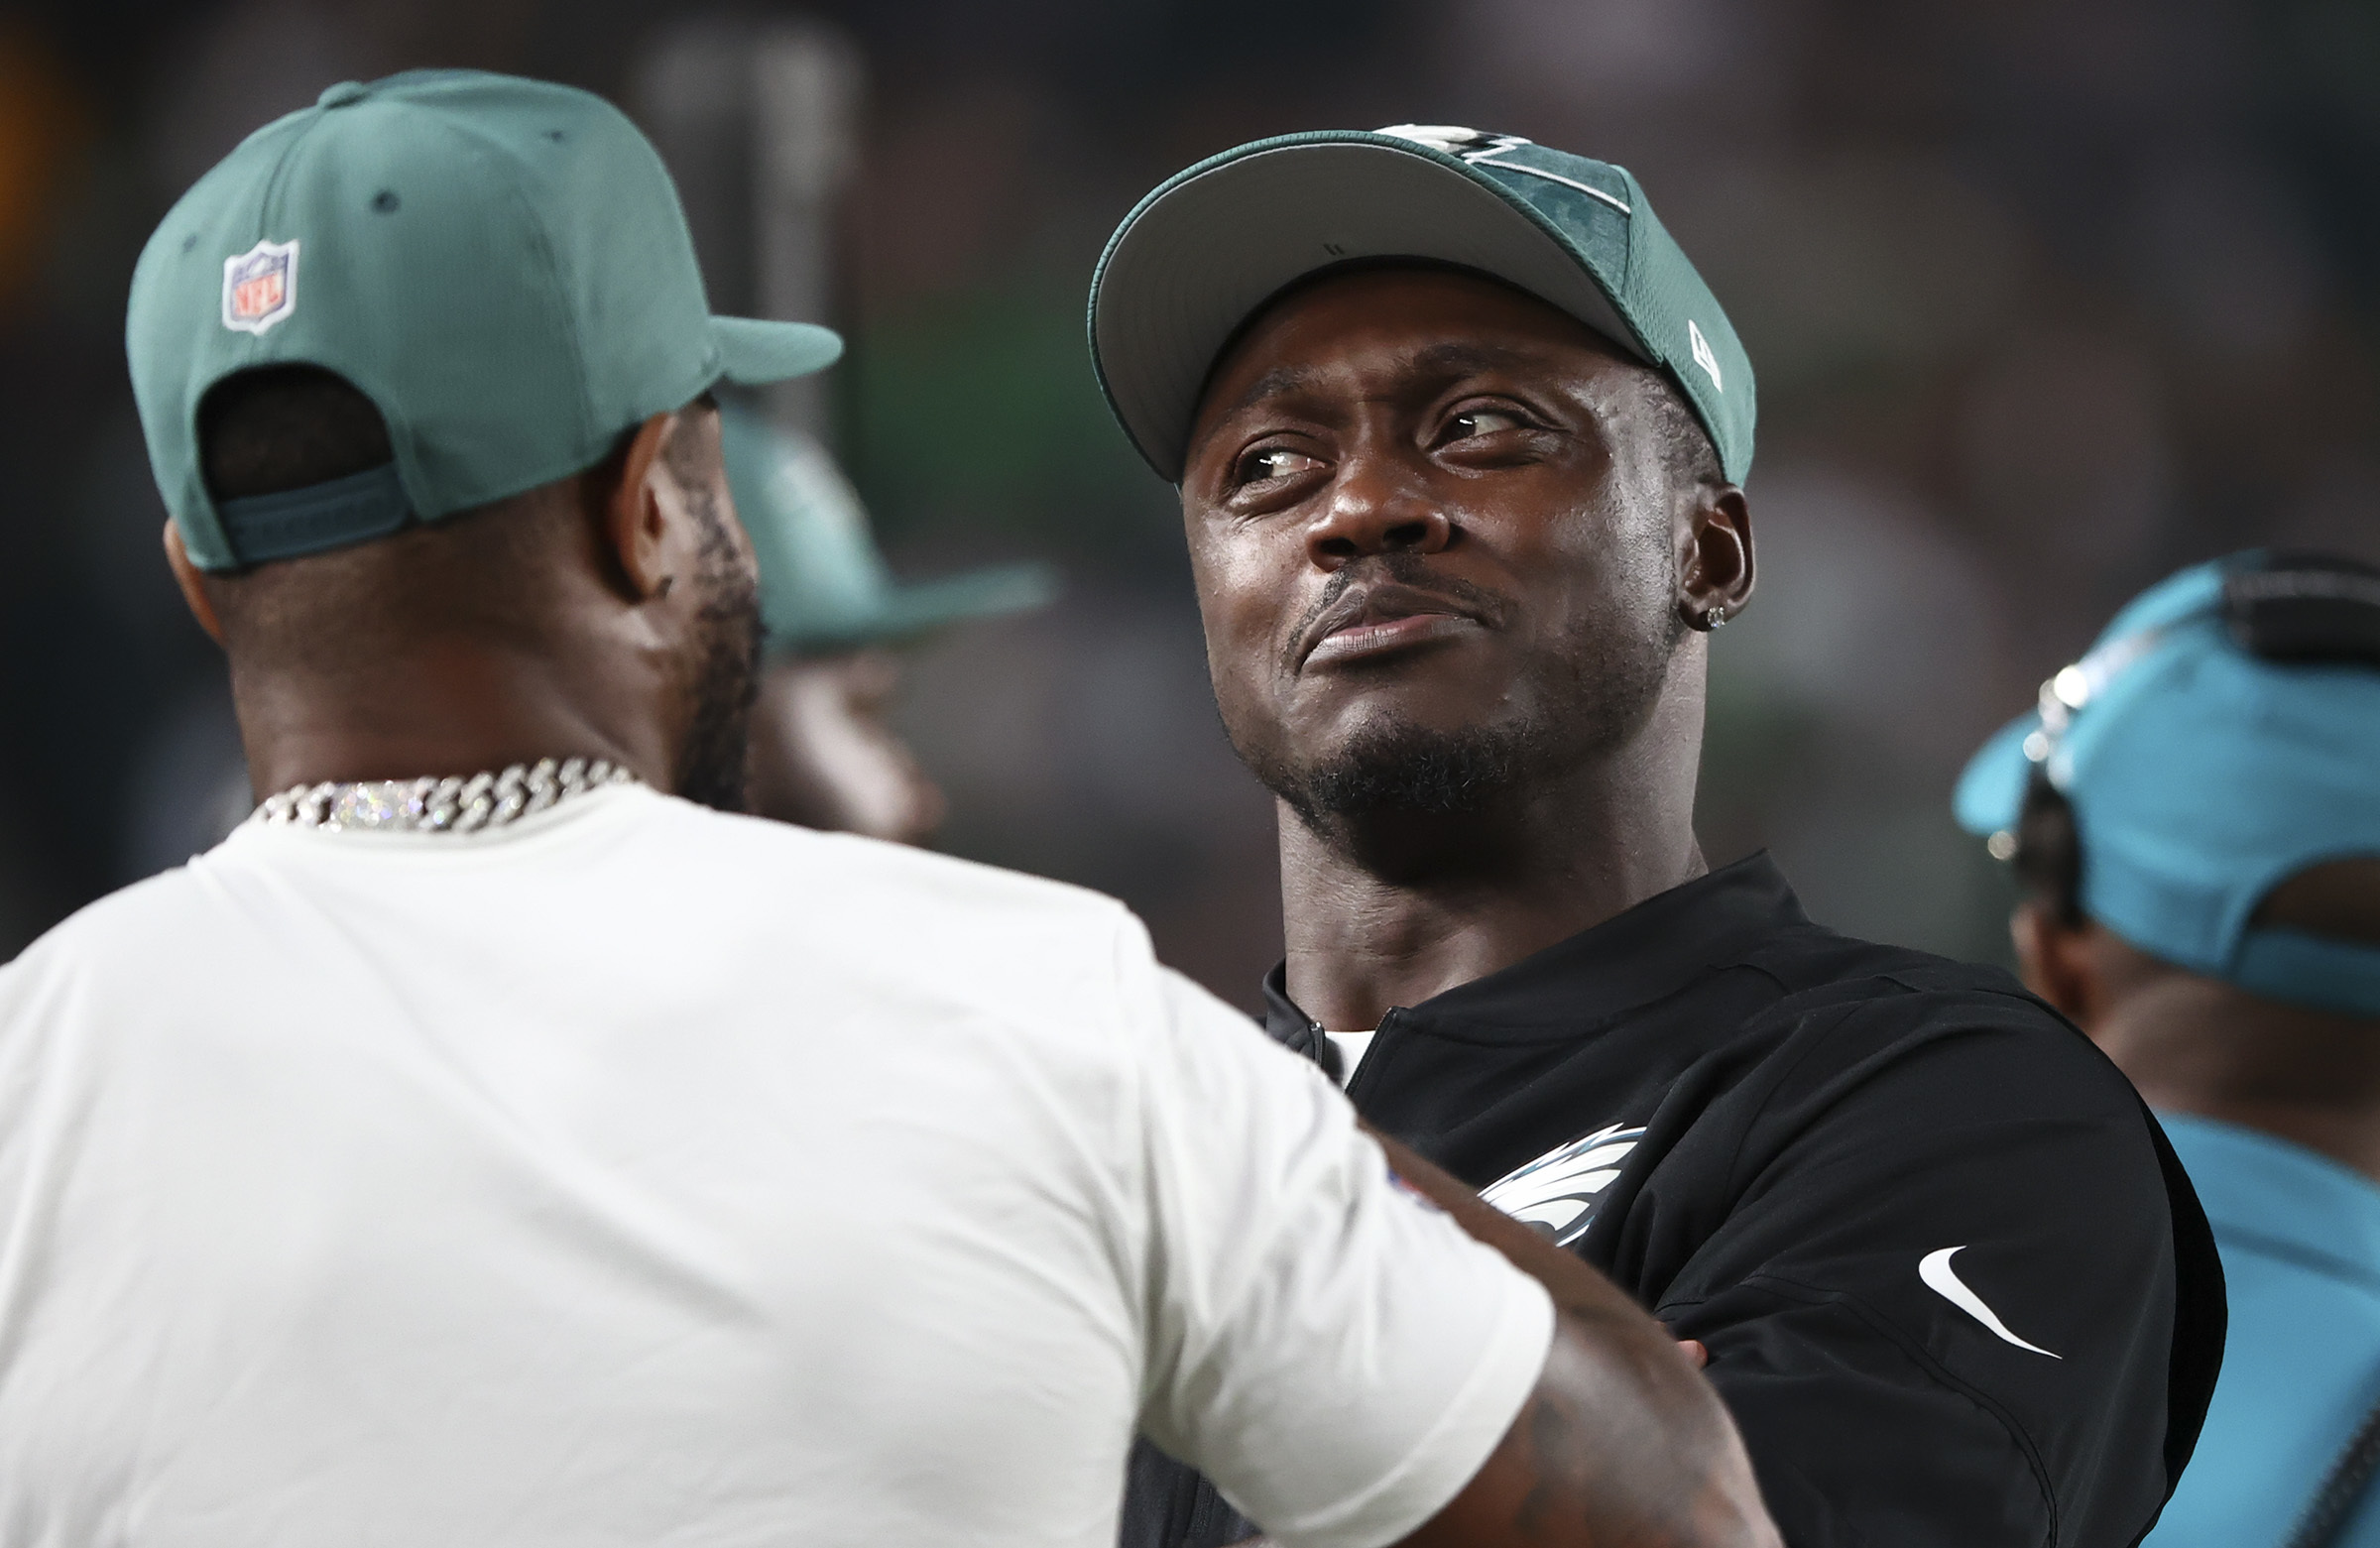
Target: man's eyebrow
[
  {"x": 1462, "y": 359},
  {"x": 1451, "y": 359},
  {"x": 1278, "y": 382},
  {"x": 1454, "y": 358}
]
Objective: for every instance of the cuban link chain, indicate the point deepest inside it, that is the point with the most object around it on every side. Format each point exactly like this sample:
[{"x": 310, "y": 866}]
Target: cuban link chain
[{"x": 431, "y": 805}]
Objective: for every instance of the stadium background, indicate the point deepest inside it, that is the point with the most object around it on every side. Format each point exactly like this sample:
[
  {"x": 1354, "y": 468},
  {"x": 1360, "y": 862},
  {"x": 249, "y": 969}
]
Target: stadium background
[{"x": 2047, "y": 298}]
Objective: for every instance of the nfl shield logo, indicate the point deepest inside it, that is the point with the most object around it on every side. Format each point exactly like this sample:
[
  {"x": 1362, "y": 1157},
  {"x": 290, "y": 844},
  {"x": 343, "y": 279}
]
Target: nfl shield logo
[{"x": 260, "y": 287}]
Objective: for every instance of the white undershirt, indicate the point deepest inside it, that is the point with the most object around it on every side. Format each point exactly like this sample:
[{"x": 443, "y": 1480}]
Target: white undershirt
[
  {"x": 1351, "y": 1048},
  {"x": 636, "y": 1172}
]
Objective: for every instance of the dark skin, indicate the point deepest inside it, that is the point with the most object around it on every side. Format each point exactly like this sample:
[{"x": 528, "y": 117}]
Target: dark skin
[
  {"x": 2197, "y": 1044},
  {"x": 1417, "y": 498},
  {"x": 1511, "y": 451},
  {"x": 590, "y": 661}
]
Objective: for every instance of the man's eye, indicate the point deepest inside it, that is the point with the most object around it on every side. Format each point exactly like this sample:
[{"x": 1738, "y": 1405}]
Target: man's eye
[
  {"x": 1275, "y": 462},
  {"x": 1482, "y": 422}
]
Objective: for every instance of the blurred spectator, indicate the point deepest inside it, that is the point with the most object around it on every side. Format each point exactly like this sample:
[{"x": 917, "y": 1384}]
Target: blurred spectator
[
  {"x": 2194, "y": 816},
  {"x": 824, "y": 753}
]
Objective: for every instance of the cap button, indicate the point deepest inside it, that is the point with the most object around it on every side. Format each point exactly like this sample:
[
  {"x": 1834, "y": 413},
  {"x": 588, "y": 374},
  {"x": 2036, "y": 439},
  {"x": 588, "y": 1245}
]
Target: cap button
[{"x": 344, "y": 92}]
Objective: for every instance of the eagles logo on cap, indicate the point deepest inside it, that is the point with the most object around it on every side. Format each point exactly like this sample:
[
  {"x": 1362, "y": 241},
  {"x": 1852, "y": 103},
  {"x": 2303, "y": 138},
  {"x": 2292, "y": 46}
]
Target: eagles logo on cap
[
  {"x": 1453, "y": 139},
  {"x": 260, "y": 287}
]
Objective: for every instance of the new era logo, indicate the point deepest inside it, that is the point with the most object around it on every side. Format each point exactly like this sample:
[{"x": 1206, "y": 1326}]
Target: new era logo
[
  {"x": 260, "y": 287},
  {"x": 1701, "y": 354}
]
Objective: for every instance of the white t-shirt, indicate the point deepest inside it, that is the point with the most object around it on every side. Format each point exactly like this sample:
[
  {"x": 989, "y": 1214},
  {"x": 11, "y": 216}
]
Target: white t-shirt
[
  {"x": 1352, "y": 1047},
  {"x": 642, "y": 1175}
]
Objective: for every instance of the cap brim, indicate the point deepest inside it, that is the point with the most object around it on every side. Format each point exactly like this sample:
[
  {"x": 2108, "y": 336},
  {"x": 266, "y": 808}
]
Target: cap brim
[
  {"x": 754, "y": 352},
  {"x": 1202, "y": 253},
  {"x": 1991, "y": 791},
  {"x": 907, "y": 612}
]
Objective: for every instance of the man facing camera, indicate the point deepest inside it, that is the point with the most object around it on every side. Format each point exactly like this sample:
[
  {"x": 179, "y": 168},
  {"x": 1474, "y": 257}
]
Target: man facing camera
[
  {"x": 2194, "y": 813},
  {"x": 1460, "y": 436}
]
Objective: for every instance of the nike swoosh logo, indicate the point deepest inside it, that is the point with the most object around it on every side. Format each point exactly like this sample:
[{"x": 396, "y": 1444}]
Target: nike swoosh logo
[{"x": 1935, "y": 1268}]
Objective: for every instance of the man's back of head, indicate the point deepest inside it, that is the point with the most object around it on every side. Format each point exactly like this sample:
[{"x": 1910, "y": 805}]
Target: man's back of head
[
  {"x": 2193, "y": 814},
  {"x": 424, "y": 373}
]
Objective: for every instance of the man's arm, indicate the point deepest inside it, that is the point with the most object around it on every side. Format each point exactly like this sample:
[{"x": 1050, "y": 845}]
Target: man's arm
[
  {"x": 1949, "y": 1305},
  {"x": 1622, "y": 1442},
  {"x": 1358, "y": 1352}
]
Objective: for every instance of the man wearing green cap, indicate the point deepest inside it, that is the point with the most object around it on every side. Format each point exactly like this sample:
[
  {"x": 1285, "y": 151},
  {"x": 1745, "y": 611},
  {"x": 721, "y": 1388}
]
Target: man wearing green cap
[
  {"x": 2193, "y": 813},
  {"x": 488, "y": 1144},
  {"x": 824, "y": 752},
  {"x": 1459, "y": 436}
]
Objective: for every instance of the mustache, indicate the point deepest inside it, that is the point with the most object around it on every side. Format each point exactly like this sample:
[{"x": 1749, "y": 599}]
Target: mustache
[{"x": 1403, "y": 567}]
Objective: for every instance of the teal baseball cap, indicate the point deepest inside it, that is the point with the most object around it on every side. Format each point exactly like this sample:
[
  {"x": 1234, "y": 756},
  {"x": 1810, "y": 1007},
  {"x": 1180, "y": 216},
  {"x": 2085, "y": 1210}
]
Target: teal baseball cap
[
  {"x": 2220, "y": 736},
  {"x": 824, "y": 585},
  {"x": 1200, "y": 254},
  {"x": 500, "y": 265}
]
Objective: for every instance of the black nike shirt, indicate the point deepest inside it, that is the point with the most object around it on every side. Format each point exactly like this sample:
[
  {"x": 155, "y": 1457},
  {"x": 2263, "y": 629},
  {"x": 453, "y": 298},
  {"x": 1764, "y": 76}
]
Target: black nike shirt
[{"x": 1956, "y": 1287}]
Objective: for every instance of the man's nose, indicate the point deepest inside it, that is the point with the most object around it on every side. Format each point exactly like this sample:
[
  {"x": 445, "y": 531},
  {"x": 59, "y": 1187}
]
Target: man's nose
[{"x": 1375, "y": 506}]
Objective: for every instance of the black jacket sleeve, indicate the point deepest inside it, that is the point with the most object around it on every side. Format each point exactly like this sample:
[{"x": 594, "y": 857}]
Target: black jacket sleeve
[
  {"x": 1167, "y": 1504},
  {"x": 1955, "y": 1299}
]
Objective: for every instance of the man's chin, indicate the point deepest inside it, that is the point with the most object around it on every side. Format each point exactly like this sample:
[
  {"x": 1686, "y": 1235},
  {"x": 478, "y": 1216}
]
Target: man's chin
[{"x": 1404, "y": 768}]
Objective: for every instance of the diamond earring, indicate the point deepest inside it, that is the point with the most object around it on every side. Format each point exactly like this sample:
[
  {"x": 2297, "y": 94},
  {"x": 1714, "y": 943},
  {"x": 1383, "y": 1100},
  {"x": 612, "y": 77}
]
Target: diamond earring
[{"x": 1715, "y": 617}]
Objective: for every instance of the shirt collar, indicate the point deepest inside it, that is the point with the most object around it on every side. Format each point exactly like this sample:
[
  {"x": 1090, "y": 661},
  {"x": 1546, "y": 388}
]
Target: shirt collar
[{"x": 1642, "y": 954}]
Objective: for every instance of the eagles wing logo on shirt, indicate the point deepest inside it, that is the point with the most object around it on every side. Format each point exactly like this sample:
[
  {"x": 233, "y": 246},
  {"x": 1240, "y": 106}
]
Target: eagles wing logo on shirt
[{"x": 1557, "y": 1192}]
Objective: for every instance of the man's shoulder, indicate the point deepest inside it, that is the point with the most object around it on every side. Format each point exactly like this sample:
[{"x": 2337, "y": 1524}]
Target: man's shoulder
[
  {"x": 848, "y": 871},
  {"x": 1870, "y": 1005},
  {"x": 1820, "y": 973},
  {"x": 155, "y": 914},
  {"x": 902, "y": 921}
]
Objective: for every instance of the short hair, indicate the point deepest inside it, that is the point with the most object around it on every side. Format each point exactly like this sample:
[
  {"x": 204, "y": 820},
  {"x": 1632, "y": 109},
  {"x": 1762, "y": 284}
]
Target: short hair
[
  {"x": 2049, "y": 853},
  {"x": 272, "y": 429},
  {"x": 1687, "y": 452}
]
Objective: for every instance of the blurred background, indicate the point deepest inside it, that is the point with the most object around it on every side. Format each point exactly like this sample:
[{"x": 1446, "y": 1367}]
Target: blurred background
[{"x": 2046, "y": 299}]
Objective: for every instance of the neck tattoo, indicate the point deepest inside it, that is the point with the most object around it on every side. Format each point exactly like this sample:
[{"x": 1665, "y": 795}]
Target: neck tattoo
[{"x": 434, "y": 805}]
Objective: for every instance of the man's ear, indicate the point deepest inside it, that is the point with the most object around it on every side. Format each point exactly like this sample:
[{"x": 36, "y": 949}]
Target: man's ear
[
  {"x": 2057, "y": 963},
  {"x": 192, "y": 581},
  {"x": 1714, "y": 555},
  {"x": 638, "y": 529}
]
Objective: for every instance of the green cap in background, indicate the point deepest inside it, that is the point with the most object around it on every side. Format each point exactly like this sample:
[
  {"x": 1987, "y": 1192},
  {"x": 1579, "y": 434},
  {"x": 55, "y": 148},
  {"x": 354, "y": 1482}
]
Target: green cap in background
[
  {"x": 500, "y": 265},
  {"x": 824, "y": 586},
  {"x": 1198, "y": 257}
]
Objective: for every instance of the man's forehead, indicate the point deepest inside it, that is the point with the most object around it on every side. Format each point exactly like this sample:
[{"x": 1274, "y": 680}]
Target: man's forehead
[
  {"x": 1328, "y": 336},
  {"x": 1444, "y": 359}
]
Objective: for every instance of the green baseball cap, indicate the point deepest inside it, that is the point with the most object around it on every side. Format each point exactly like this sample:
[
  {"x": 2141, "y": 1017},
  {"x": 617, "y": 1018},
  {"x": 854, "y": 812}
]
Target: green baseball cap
[
  {"x": 500, "y": 265},
  {"x": 1198, "y": 257},
  {"x": 824, "y": 586}
]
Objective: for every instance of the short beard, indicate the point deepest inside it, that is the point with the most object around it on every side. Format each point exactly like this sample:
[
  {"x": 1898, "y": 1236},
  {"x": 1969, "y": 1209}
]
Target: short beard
[
  {"x": 1406, "y": 770},
  {"x": 1600, "y": 703},
  {"x": 714, "y": 757}
]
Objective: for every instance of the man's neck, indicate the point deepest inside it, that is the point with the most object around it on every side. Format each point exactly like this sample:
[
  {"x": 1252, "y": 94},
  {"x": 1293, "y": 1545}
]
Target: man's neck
[
  {"x": 1390, "y": 910},
  {"x": 2197, "y": 1046},
  {"x": 457, "y": 711}
]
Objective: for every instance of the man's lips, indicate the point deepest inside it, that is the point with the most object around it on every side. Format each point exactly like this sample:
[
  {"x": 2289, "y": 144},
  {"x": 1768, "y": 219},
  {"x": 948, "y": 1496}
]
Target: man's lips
[{"x": 1382, "y": 619}]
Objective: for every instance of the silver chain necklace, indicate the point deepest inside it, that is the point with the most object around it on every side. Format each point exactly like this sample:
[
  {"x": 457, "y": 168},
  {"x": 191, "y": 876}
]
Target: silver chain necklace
[{"x": 432, "y": 805}]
